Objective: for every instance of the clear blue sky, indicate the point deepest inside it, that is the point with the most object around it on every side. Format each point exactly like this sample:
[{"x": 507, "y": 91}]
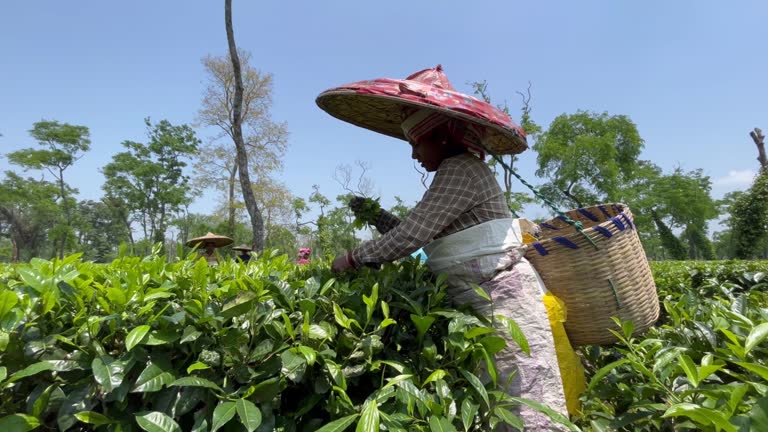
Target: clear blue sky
[{"x": 693, "y": 75}]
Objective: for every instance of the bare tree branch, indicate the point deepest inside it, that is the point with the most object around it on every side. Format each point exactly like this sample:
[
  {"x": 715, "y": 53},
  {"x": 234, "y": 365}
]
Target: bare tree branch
[{"x": 759, "y": 138}]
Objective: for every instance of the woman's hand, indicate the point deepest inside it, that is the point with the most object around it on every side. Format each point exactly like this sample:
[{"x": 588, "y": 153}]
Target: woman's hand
[{"x": 342, "y": 263}]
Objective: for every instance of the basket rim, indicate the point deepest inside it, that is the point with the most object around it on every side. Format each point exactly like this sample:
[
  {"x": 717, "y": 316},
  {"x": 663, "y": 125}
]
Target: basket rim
[{"x": 603, "y": 230}]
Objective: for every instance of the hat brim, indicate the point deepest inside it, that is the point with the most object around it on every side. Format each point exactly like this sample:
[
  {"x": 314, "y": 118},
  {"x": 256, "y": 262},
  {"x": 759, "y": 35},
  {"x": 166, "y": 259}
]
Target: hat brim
[
  {"x": 243, "y": 248},
  {"x": 383, "y": 114},
  {"x": 217, "y": 241}
]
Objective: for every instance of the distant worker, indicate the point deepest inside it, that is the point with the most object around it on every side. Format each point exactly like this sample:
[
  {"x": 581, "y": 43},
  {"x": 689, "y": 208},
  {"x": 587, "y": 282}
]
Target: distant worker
[
  {"x": 303, "y": 256},
  {"x": 208, "y": 244},
  {"x": 245, "y": 252}
]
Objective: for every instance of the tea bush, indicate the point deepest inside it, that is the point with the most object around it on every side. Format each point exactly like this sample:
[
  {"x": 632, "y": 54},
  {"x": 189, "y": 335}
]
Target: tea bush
[
  {"x": 702, "y": 367},
  {"x": 141, "y": 343}
]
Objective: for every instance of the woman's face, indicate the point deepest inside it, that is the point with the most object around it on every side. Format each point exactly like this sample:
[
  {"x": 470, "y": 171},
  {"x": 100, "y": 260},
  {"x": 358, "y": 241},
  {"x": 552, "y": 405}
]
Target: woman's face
[{"x": 430, "y": 150}]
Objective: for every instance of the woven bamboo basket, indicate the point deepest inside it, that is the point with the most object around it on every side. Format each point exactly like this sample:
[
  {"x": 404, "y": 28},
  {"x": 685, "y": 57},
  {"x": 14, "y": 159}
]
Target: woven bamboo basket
[{"x": 612, "y": 280}]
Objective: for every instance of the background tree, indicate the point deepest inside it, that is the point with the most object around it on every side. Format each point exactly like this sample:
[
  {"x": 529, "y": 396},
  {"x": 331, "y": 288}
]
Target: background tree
[
  {"x": 233, "y": 126},
  {"x": 515, "y": 200},
  {"x": 150, "y": 179},
  {"x": 587, "y": 157},
  {"x": 758, "y": 137},
  {"x": 265, "y": 140},
  {"x": 684, "y": 200},
  {"x": 749, "y": 212},
  {"x": 749, "y": 218},
  {"x": 27, "y": 209},
  {"x": 672, "y": 245},
  {"x": 64, "y": 145},
  {"x": 99, "y": 230}
]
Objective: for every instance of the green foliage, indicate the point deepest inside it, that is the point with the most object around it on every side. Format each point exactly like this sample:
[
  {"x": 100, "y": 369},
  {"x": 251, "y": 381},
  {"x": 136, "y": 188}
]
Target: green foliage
[
  {"x": 141, "y": 343},
  {"x": 699, "y": 245},
  {"x": 673, "y": 245},
  {"x": 100, "y": 229},
  {"x": 400, "y": 209},
  {"x": 749, "y": 218},
  {"x": 589, "y": 156},
  {"x": 515, "y": 200},
  {"x": 367, "y": 214},
  {"x": 27, "y": 209},
  {"x": 685, "y": 198},
  {"x": 702, "y": 367},
  {"x": 149, "y": 179},
  {"x": 64, "y": 144}
]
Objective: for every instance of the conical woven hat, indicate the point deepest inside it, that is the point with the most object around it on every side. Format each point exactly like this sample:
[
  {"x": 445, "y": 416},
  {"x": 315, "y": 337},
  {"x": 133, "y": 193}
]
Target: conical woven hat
[
  {"x": 379, "y": 105},
  {"x": 214, "y": 239}
]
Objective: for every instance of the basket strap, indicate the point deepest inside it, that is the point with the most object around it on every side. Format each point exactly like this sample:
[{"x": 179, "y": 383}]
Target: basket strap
[{"x": 576, "y": 224}]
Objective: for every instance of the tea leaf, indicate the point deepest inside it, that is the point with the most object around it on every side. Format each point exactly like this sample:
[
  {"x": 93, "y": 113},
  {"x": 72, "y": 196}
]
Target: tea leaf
[
  {"x": 156, "y": 422},
  {"x": 195, "y": 382},
  {"x": 760, "y": 370},
  {"x": 690, "y": 369},
  {"x": 603, "y": 371},
  {"x": 434, "y": 376},
  {"x": 468, "y": 413},
  {"x": 477, "y": 385},
  {"x": 249, "y": 414},
  {"x": 8, "y": 299},
  {"x": 339, "y": 425},
  {"x": 30, "y": 370},
  {"x": 440, "y": 424},
  {"x": 481, "y": 292},
  {"x": 422, "y": 323},
  {"x": 369, "y": 418},
  {"x": 222, "y": 414},
  {"x": 152, "y": 379},
  {"x": 93, "y": 418},
  {"x": 758, "y": 415},
  {"x": 516, "y": 334},
  {"x": 757, "y": 335},
  {"x": 18, "y": 423},
  {"x": 136, "y": 336},
  {"x": 107, "y": 372}
]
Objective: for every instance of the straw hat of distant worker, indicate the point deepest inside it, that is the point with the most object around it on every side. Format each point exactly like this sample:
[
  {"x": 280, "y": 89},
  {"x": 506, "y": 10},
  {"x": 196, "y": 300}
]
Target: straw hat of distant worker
[
  {"x": 242, "y": 247},
  {"x": 244, "y": 252},
  {"x": 209, "y": 243}
]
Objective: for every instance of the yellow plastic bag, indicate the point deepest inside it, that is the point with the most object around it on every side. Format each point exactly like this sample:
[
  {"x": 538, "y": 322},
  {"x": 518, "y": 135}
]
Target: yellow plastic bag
[{"x": 571, "y": 369}]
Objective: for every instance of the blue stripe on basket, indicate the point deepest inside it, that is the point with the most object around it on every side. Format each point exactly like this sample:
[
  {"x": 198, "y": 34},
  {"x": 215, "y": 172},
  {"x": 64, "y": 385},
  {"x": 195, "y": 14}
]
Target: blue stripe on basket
[
  {"x": 548, "y": 226},
  {"x": 628, "y": 221},
  {"x": 540, "y": 249},
  {"x": 565, "y": 242},
  {"x": 618, "y": 223},
  {"x": 603, "y": 230},
  {"x": 605, "y": 212},
  {"x": 589, "y": 215}
]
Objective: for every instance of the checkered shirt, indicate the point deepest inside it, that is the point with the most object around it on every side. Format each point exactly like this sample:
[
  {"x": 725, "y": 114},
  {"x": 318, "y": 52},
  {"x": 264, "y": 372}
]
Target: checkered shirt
[{"x": 463, "y": 193}]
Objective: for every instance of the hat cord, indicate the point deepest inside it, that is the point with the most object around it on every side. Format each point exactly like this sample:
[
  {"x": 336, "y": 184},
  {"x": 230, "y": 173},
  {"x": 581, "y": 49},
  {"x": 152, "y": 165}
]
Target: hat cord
[{"x": 576, "y": 224}]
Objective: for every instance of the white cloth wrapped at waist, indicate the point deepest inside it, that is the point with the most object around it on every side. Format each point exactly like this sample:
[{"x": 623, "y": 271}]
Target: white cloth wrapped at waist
[{"x": 478, "y": 252}]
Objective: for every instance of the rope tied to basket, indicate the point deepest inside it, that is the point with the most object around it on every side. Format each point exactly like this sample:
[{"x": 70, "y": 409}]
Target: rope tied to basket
[{"x": 576, "y": 224}]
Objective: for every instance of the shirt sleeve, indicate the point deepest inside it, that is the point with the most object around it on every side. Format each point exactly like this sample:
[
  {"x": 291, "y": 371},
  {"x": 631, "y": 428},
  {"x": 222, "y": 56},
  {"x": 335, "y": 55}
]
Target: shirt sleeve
[
  {"x": 386, "y": 222},
  {"x": 451, "y": 193}
]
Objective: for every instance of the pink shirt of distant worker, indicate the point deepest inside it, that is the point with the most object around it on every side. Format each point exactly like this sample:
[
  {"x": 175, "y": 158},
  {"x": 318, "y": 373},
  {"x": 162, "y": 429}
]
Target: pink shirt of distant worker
[{"x": 303, "y": 256}]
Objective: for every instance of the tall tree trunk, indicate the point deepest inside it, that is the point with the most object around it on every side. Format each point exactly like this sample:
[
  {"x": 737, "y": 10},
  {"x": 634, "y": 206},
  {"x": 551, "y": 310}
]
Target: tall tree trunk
[
  {"x": 257, "y": 223},
  {"x": 67, "y": 216},
  {"x": 759, "y": 139},
  {"x": 231, "y": 221}
]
